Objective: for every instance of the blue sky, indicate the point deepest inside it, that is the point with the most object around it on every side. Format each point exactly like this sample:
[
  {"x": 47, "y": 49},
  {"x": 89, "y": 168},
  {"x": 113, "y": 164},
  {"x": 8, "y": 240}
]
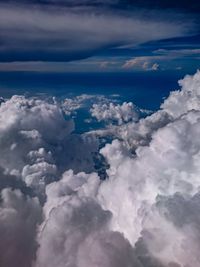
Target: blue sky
[{"x": 99, "y": 36}]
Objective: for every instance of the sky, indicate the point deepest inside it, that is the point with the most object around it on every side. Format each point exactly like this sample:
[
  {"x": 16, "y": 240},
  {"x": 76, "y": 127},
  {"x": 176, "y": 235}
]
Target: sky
[
  {"x": 99, "y": 133},
  {"x": 99, "y": 36}
]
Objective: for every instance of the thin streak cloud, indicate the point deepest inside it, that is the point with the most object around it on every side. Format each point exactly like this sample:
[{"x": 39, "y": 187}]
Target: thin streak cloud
[{"x": 29, "y": 34}]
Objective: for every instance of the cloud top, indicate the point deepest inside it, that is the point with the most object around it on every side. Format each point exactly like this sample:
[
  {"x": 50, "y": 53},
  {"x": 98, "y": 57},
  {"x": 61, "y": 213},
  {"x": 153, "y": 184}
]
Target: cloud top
[{"x": 55, "y": 210}]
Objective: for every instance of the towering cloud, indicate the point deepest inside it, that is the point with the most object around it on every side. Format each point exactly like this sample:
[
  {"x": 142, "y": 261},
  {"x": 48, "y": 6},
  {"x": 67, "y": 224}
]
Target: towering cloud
[
  {"x": 55, "y": 211},
  {"x": 75, "y": 231},
  {"x": 37, "y": 144},
  {"x": 158, "y": 186},
  {"x": 19, "y": 216}
]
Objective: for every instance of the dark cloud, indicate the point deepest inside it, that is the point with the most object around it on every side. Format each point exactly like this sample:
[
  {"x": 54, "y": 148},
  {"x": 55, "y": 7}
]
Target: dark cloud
[
  {"x": 188, "y": 6},
  {"x": 32, "y": 33},
  {"x": 72, "y": 30}
]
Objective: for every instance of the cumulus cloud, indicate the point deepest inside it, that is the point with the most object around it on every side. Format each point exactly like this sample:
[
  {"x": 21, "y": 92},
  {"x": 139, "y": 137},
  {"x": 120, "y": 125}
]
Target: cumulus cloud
[
  {"x": 71, "y": 105},
  {"x": 159, "y": 186},
  {"x": 158, "y": 58},
  {"x": 142, "y": 63},
  {"x": 145, "y": 214},
  {"x": 115, "y": 112},
  {"x": 180, "y": 102},
  {"x": 19, "y": 216},
  {"x": 37, "y": 141},
  {"x": 155, "y": 66},
  {"x": 76, "y": 226}
]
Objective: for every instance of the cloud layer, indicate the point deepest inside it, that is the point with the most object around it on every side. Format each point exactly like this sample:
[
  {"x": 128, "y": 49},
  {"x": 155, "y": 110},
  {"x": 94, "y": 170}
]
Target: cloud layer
[
  {"x": 55, "y": 210},
  {"x": 35, "y": 33}
]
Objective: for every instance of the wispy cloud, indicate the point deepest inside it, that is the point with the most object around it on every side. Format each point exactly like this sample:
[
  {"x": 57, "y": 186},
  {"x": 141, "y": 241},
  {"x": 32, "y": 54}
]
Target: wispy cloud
[
  {"x": 176, "y": 53},
  {"x": 33, "y": 33},
  {"x": 158, "y": 57},
  {"x": 143, "y": 63}
]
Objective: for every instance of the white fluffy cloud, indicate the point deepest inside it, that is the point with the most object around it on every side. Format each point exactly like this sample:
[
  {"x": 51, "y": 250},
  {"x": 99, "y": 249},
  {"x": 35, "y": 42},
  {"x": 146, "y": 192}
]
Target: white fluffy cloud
[
  {"x": 159, "y": 185},
  {"x": 37, "y": 143},
  {"x": 180, "y": 102},
  {"x": 71, "y": 105},
  {"x": 145, "y": 214},
  {"x": 110, "y": 112},
  {"x": 160, "y": 59},
  {"x": 19, "y": 216},
  {"x": 75, "y": 229},
  {"x": 146, "y": 63}
]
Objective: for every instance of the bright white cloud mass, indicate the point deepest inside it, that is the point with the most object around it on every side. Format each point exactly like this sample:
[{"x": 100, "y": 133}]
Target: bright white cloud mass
[
  {"x": 111, "y": 112},
  {"x": 56, "y": 211}
]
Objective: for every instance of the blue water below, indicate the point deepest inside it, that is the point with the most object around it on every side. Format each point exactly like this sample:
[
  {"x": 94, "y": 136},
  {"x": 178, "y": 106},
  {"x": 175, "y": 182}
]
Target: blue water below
[{"x": 146, "y": 90}]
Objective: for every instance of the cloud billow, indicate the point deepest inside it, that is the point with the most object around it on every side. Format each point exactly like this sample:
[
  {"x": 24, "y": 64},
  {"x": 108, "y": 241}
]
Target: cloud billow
[{"x": 54, "y": 209}]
